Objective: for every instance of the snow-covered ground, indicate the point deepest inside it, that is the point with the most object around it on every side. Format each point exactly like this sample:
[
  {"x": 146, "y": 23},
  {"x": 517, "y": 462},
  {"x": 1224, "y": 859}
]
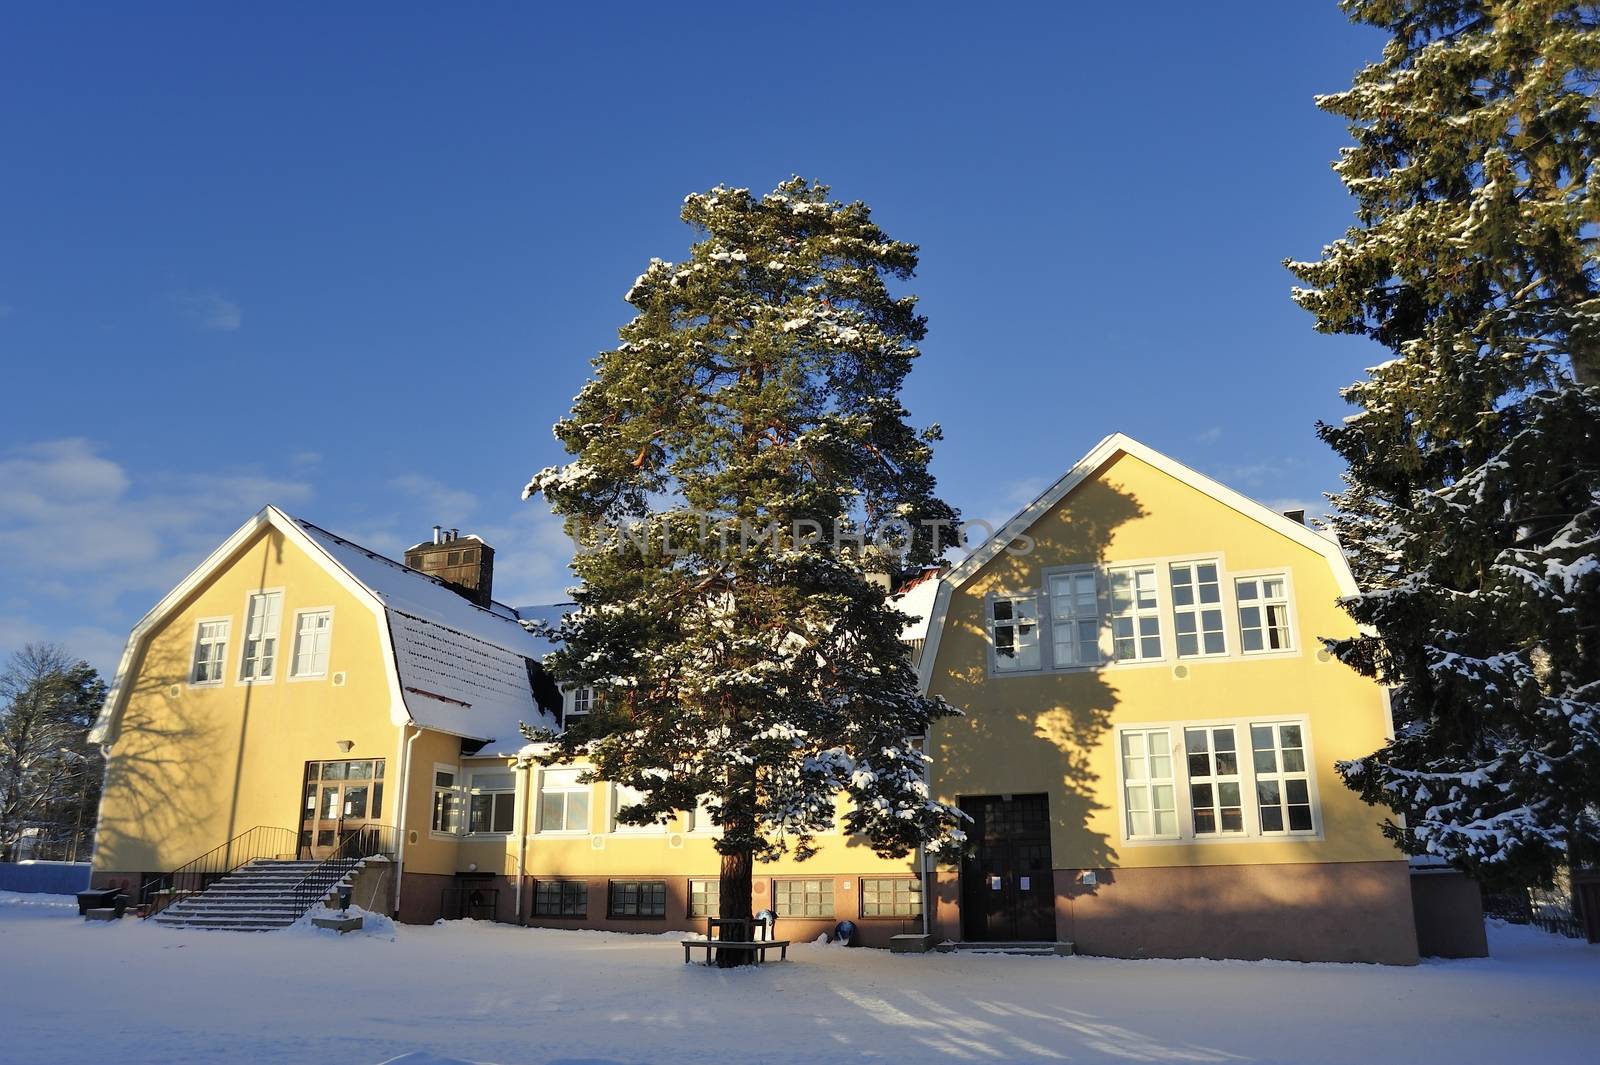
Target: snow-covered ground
[{"x": 129, "y": 992}]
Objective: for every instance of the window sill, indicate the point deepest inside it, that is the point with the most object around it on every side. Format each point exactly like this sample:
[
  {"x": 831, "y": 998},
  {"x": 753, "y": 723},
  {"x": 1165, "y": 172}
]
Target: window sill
[
  {"x": 308, "y": 677},
  {"x": 203, "y": 683},
  {"x": 1212, "y": 841},
  {"x": 571, "y": 833}
]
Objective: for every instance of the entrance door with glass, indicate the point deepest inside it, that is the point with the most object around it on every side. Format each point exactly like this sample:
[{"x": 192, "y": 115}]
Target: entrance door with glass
[
  {"x": 340, "y": 798},
  {"x": 1007, "y": 885}
]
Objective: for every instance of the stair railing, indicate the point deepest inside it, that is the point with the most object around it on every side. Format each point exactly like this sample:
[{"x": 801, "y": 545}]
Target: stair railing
[
  {"x": 195, "y": 876},
  {"x": 358, "y": 843}
]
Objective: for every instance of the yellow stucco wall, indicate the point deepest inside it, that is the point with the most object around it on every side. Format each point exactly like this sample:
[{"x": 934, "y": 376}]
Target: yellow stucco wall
[
  {"x": 192, "y": 766},
  {"x": 603, "y": 851},
  {"x": 1053, "y": 732}
]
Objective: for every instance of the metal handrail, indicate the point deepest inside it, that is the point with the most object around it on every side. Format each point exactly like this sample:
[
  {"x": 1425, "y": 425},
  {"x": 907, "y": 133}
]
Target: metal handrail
[
  {"x": 359, "y": 843},
  {"x": 195, "y": 876}
]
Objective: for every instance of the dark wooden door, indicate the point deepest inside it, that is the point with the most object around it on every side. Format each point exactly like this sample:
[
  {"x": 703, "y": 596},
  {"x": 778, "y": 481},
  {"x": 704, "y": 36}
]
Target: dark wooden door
[{"x": 1007, "y": 886}]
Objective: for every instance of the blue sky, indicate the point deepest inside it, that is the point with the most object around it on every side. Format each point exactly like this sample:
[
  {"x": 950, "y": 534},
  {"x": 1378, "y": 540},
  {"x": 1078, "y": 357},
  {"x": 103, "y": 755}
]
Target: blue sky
[{"x": 356, "y": 264}]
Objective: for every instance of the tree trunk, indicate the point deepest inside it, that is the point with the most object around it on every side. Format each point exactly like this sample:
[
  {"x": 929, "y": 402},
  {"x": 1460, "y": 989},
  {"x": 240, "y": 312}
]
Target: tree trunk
[{"x": 734, "y": 901}]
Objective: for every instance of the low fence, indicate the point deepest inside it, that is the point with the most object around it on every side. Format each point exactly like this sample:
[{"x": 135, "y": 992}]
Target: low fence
[{"x": 44, "y": 878}]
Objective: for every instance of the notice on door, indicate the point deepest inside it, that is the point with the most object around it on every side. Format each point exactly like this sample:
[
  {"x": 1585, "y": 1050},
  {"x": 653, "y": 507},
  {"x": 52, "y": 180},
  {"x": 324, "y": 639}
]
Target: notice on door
[
  {"x": 994, "y": 883},
  {"x": 1026, "y": 881}
]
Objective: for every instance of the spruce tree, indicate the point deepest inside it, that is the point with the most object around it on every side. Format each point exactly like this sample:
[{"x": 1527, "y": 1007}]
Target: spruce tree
[
  {"x": 740, "y": 459},
  {"x": 1471, "y": 511}
]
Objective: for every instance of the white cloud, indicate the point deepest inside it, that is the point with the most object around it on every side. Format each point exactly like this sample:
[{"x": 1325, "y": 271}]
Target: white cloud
[
  {"x": 83, "y": 540},
  {"x": 1210, "y": 435},
  {"x": 449, "y": 506},
  {"x": 209, "y": 309}
]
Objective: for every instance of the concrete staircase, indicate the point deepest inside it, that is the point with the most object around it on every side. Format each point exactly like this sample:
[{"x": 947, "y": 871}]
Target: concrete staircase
[{"x": 257, "y": 897}]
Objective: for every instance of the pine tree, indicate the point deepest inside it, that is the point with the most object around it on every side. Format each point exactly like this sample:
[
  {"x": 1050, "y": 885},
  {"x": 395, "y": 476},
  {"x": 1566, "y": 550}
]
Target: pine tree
[
  {"x": 1472, "y": 504},
  {"x": 737, "y": 458},
  {"x": 49, "y": 772}
]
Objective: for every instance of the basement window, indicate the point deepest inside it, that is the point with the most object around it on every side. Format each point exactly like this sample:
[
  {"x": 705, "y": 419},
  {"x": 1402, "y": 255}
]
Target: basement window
[
  {"x": 560, "y": 898},
  {"x": 705, "y": 898},
  {"x": 890, "y": 897},
  {"x": 803, "y": 898},
  {"x": 638, "y": 899}
]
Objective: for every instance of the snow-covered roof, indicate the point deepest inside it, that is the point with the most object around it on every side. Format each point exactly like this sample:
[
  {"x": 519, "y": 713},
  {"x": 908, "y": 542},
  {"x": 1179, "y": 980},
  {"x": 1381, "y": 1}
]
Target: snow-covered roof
[
  {"x": 916, "y": 599},
  {"x": 549, "y": 613},
  {"x": 462, "y": 668}
]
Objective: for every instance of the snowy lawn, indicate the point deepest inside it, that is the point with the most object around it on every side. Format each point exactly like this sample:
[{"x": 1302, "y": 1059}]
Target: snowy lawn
[{"x": 492, "y": 993}]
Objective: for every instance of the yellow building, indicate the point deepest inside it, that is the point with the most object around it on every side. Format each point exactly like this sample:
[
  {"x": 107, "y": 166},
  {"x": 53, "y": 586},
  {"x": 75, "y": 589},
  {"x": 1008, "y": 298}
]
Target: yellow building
[
  {"x": 1151, "y": 725},
  {"x": 297, "y": 690},
  {"x": 1147, "y": 743}
]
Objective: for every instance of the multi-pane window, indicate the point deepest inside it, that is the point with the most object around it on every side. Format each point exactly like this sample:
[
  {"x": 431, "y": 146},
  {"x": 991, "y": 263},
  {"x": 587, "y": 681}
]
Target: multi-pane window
[
  {"x": 705, "y": 898},
  {"x": 803, "y": 898},
  {"x": 580, "y": 701},
  {"x": 1283, "y": 785},
  {"x": 1148, "y": 788},
  {"x": 312, "y": 630},
  {"x": 210, "y": 649},
  {"x": 1135, "y": 614},
  {"x": 1075, "y": 618},
  {"x": 1263, "y": 613},
  {"x": 492, "y": 803},
  {"x": 261, "y": 636},
  {"x": 563, "y": 802},
  {"x": 623, "y": 797},
  {"x": 890, "y": 897},
  {"x": 1014, "y": 630},
  {"x": 637, "y": 898},
  {"x": 1214, "y": 787},
  {"x": 1197, "y": 609},
  {"x": 446, "y": 802},
  {"x": 560, "y": 898}
]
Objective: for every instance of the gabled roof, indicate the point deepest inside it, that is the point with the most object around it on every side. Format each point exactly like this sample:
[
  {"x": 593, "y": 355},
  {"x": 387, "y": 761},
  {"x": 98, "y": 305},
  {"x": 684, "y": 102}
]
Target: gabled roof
[
  {"x": 457, "y": 667},
  {"x": 1101, "y": 454}
]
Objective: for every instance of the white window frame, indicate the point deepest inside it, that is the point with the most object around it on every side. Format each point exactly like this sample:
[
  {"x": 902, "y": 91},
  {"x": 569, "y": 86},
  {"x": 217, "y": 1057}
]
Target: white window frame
[
  {"x": 1149, "y": 782},
  {"x": 1136, "y": 613},
  {"x": 1215, "y": 779},
  {"x": 456, "y": 791},
  {"x": 1253, "y": 833},
  {"x": 617, "y": 796},
  {"x": 570, "y": 701},
  {"x": 1282, "y": 776},
  {"x": 221, "y": 662},
  {"x": 1287, "y": 603},
  {"x": 474, "y": 790},
  {"x": 274, "y": 637},
  {"x": 1075, "y": 617},
  {"x": 1198, "y": 608},
  {"x": 700, "y": 822},
  {"x": 991, "y": 625},
  {"x": 542, "y": 786},
  {"x": 294, "y": 649},
  {"x": 715, "y": 887}
]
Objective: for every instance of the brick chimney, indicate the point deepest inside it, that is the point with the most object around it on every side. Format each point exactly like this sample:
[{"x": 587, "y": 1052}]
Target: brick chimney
[{"x": 466, "y": 564}]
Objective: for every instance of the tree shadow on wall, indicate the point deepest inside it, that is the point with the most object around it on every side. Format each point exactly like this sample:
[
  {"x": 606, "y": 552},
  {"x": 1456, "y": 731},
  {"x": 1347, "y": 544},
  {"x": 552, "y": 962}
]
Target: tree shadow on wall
[{"x": 1039, "y": 730}]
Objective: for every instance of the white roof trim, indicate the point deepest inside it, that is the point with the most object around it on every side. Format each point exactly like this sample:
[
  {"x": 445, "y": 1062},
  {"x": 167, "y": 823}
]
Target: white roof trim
[
  {"x": 1082, "y": 470},
  {"x": 268, "y": 516}
]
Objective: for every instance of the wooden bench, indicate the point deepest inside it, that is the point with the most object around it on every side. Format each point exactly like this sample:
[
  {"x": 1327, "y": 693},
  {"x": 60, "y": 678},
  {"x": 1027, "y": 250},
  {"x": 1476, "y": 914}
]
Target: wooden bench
[{"x": 758, "y": 946}]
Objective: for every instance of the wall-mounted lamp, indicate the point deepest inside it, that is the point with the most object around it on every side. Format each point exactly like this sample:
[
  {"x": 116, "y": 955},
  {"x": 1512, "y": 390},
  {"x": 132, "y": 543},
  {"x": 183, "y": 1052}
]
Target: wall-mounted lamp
[{"x": 344, "y": 745}]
